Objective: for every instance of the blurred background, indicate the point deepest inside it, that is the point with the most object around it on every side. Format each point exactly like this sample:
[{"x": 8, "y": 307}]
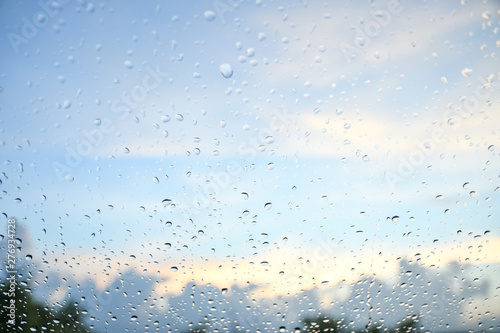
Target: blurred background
[{"x": 251, "y": 166}]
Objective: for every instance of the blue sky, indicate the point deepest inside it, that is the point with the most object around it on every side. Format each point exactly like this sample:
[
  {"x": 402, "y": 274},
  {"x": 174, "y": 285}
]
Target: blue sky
[{"x": 108, "y": 109}]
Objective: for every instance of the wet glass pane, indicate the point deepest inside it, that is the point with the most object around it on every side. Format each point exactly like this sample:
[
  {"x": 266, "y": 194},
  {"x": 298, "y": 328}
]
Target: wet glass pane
[{"x": 249, "y": 166}]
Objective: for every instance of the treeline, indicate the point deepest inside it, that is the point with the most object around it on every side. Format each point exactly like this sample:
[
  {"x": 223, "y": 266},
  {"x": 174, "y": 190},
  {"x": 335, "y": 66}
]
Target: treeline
[
  {"x": 20, "y": 312},
  {"x": 325, "y": 324}
]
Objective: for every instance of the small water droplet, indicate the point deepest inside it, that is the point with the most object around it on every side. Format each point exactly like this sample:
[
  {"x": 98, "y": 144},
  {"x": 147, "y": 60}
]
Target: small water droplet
[
  {"x": 395, "y": 218},
  {"x": 126, "y": 150},
  {"x": 97, "y": 122},
  {"x": 467, "y": 72},
  {"x": 268, "y": 205},
  {"x": 133, "y": 318},
  {"x": 209, "y": 15},
  {"x": 244, "y": 195},
  {"x": 491, "y": 148},
  {"x": 224, "y": 291},
  {"x": 270, "y": 166},
  {"x": 156, "y": 180},
  {"x": 132, "y": 257},
  {"x": 69, "y": 178},
  {"x": 128, "y": 64},
  {"x": 179, "y": 117},
  {"x": 226, "y": 70},
  {"x": 174, "y": 269},
  {"x": 166, "y": 202},
  {"x": 165, "y": 118},
  {"x": 269, "y": 139},
  {"x": 472, "y": 194},
  {"x": 18, "y": 200},
  {"x": 29, "y": 257}
]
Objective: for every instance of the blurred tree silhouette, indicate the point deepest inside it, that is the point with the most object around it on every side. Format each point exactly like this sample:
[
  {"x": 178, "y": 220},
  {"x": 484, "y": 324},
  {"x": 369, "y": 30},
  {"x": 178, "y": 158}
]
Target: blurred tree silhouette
[
  {"x": 409, "y": 325},
  {"x": 32, "y": 316},
  {"x": 321, "y": 324}
]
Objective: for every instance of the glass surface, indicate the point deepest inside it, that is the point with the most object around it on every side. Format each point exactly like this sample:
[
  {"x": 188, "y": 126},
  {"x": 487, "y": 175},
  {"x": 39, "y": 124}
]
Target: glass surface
[{"x": 250, "y": 166}]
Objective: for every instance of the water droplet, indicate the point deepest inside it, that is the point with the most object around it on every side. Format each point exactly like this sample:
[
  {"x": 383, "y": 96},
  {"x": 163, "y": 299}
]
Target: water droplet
[
  {"x": 132, "y": 257},
  {"x": 128, "y": 64},
  {"x": 395, "y": 218},
  {"x": 133, "y": 318},
  {"x": 126, "y": 150},
  {"x": 268, "y": 205},
  {"x": 467, "y": 72},
  {"x": 261, "y": 36},
  {"x": 174, "y": 269},
  {"x": 270, "y": 166},
  {"x": 347, "y": 126},
  {"x": 250, "y": 52},
  {"x": 244, "y": 195},
  {"x": 269, "y": 139},
  {"x": 226, "y": 70},
  {"x": 222, "y": 123},
  {"x": 69, "y": 178},
  {"x": 339, "y": 111},
  {"x": 66, "y": 104},
  {"x": 209, "y": 15},
  {"x": 166, "y": 202},
  {"x": 165, "y": 118},
  {"x": 224, "y": 291},
  {"x": 156, "y": 180},
  {"x": 18, "y": 200},
  {"x": 97, "y": 122},
  {"x": 29, "y": 257},
  {"x": 366, "y": 158},
  {"x": 472, "y": 194},
  {"x": 179, "y": 117},
  {"x": 491, "y": 148}
]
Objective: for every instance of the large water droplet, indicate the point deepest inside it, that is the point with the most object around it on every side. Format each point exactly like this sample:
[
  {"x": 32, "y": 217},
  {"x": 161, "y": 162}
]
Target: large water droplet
[{"x": 226, "y": 70}]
